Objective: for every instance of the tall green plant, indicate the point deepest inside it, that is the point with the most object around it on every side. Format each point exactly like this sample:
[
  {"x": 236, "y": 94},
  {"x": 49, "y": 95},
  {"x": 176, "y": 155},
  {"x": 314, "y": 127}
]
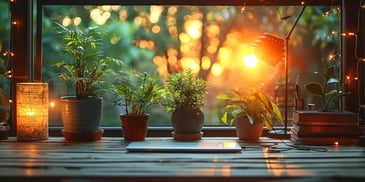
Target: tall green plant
[{"x": 86, "y": 65}]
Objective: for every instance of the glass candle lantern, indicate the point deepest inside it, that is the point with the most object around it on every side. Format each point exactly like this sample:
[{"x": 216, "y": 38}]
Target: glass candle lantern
[{"x": 32, "y": 111}]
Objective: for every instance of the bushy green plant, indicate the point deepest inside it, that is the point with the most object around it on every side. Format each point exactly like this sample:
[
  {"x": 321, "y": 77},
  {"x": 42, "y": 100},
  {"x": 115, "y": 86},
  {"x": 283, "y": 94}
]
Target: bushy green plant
[
  {"x": 136, "y": 91},
  {"x": 251, "y": 103},
  {"x": 86, "y": 65},
  {"x": 183, "y": 90},
  {"x": 326, "y": 93}
]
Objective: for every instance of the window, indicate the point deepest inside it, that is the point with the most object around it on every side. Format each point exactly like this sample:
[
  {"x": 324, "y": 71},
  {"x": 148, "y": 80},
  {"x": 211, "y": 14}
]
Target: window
[
  {"x": 212, "y": 38},
  {"x": 5, "y": 64}
]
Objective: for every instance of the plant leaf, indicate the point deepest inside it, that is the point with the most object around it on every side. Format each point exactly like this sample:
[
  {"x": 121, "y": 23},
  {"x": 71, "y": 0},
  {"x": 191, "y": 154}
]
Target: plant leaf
[
  {"x": 268, "y": 124},
  {"x": 224, "y": 118},
  {"x": 277, "y": 113},
  {"x": 315, "y": 88},
  {"x": 330, "y": 71},
  {"x": 250, "y": 119},
  {"x": 330, "y": 93}
]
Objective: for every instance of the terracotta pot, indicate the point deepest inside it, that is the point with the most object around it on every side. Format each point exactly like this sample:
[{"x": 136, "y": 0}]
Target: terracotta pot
[
  {"x": 247, "y": 131},
  {"x": 134, "y": 127},
  {"x": 187, "y": 121}
]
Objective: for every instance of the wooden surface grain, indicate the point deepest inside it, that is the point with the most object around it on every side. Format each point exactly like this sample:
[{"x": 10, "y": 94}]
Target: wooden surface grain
[{"x": 107, "y": 160}]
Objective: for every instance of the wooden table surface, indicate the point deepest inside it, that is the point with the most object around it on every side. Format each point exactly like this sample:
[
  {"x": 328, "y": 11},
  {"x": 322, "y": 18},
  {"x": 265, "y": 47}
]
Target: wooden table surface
[{"x": 107, "y": 160}]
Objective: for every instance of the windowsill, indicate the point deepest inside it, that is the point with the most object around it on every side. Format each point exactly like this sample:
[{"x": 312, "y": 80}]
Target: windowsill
[{"x": 165, "y": 131}]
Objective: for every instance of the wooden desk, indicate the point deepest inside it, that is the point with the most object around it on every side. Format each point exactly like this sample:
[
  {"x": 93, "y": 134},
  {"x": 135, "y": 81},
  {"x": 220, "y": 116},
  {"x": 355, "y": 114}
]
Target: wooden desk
[{"x": 107, "y": 160}]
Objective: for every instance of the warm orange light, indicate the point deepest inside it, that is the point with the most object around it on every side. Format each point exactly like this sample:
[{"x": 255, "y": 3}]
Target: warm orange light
[
  {"x": 250, "y": 61},
  {"x": 32, "y": 111},
  {"x": 348, "y": 34},
  {"x": 52, "y": 104},
  {"x": 193, "y": 28},
  {"x": 336, "y": 143},
  {"x": 217, "y": 69},
  {"x": 206, "y": 63}
]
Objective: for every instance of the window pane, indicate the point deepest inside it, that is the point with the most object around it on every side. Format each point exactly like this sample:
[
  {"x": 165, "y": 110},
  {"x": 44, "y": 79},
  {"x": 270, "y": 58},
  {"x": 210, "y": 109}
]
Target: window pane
[
  {"x": 5, "y": 62},
  {"x": 214, "y": 41}
]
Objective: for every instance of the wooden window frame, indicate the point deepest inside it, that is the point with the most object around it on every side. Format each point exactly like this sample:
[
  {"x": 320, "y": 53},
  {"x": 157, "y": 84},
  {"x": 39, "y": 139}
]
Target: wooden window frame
[{"x": 25, "y": 69}]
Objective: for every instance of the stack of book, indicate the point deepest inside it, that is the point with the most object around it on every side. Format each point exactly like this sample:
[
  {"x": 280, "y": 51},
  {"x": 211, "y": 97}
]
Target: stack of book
[{"x": 325, "y": 128}]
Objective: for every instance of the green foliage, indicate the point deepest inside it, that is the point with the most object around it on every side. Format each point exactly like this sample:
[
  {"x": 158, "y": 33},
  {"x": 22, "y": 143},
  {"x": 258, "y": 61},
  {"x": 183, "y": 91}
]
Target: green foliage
[
  {"x": 86, "y": 65},
  {"x": 136, "y": 91},
  {"x": 251, "y": 103},
  {"x": 323, "y": 90},
  {"x": 4, "y": 98},
  {"x": 183, "y": 90}
]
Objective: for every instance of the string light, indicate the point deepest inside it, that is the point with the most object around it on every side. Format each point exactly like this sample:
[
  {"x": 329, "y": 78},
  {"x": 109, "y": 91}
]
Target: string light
[
  {"x": 349, "y": 34},
  {"x": 8, "y": 53},
  {"x": 334, "y": 10},
  {"x": 243, "y": 8}
]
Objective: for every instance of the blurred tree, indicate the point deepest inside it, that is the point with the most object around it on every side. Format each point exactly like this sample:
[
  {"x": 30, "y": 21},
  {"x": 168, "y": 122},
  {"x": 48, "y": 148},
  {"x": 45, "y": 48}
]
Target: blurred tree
[{"x": 211, "y": 40}]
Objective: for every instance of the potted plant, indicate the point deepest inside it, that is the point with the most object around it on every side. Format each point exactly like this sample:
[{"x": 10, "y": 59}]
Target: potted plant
[
  {"x": 136, "y": 92},
  {"x": 328, "y": 124},
  {"x": 250, "y": 110},
  {"x": 184, "y": 96},
  {"x": 328, "y": 115},
  {"x": 326, "y": 93},
  {"x": 82, "y": 113}
]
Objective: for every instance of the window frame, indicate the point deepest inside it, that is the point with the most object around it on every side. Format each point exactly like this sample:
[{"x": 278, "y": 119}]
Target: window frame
[{"x": 34, "y": 68}]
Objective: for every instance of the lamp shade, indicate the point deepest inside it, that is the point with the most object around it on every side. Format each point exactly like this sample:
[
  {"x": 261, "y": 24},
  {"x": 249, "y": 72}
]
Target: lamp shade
[
  {"x": 270, "y": 49},
  {"x": 32, "y": 111}
]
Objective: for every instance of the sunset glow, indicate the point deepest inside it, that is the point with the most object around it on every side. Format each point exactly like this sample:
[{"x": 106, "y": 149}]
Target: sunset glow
[{"x": 250, "y": 61}]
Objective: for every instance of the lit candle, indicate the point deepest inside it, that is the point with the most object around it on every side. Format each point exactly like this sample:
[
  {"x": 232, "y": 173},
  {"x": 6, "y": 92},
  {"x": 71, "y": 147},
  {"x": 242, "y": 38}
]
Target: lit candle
[{"x": 32, "y": 111}]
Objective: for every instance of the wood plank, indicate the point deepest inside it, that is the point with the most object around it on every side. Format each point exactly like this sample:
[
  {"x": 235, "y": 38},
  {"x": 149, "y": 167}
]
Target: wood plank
[{"x": 107, "y": 159}]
